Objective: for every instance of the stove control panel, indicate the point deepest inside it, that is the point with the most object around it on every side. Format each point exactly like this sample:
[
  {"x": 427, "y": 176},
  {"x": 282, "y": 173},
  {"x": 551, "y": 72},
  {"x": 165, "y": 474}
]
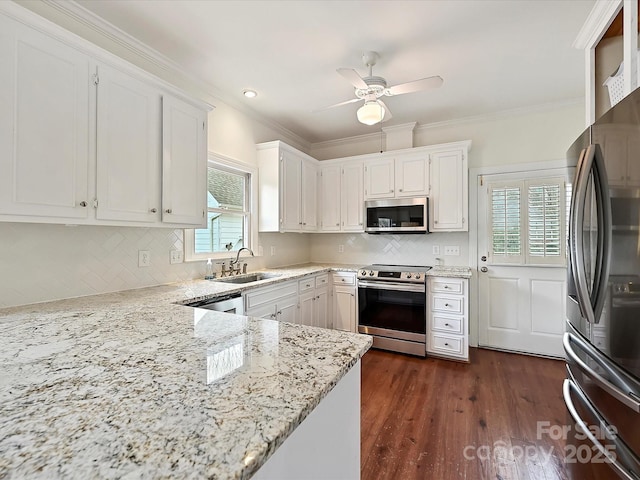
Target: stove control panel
[{"x": 414, "y": 277}]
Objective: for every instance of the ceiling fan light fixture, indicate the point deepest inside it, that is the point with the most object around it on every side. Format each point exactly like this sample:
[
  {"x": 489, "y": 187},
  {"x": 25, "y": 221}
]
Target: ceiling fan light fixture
[
  {"x": 249, "y": 93},
  {"x": 370, "y": 113}
]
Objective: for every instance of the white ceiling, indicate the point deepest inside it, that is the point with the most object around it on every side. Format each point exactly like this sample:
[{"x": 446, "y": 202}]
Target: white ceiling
[{"x": 493, "y": 55}]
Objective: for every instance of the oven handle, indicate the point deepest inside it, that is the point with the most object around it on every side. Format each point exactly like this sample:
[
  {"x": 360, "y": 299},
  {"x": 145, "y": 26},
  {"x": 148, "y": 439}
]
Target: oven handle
[{"x": 400, "y": 287}]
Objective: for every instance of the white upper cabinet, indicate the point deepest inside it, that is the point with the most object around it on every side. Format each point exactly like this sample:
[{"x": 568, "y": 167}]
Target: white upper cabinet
[
  {"x": 128, "y": 148},
  {"x": 288, "y": 190},
  {"x": 412, "y": 175},
  {"x": 618, "y": 143},
  {"x": 449, "y": 191},
  {"x": 184, "y": 162},
  {"x": 329, "y": 201},
  {"x": 379, "y": 178},
  {"x": 82, "y": 131},
  {"x": 405, "y": 174},
  {"x": 341, "y": 197},
  {"x": 309, "y": 196},
  {"x": 44, "y": 125},
  {"x": 351, "y": 198}
]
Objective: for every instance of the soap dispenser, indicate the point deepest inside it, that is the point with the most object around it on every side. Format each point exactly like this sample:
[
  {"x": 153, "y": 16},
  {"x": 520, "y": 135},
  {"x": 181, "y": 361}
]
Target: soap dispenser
[{"x": 208, "y": 274}]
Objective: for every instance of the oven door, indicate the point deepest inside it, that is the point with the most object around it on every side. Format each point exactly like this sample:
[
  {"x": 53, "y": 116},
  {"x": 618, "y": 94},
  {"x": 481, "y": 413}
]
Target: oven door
[{"x": 390, "y": 309}]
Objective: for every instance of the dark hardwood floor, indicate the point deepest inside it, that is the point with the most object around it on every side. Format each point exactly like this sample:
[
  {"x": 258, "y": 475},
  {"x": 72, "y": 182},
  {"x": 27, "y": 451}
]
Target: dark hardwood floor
[{"x": 437, "y": 419}]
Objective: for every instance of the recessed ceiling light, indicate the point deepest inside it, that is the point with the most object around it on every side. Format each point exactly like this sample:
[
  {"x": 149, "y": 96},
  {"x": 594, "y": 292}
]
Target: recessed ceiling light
[{"x": 250, "y": 93}]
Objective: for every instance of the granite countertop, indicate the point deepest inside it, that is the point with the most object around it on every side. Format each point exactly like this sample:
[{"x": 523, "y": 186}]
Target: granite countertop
[
  {"x": 449, "y": 271},
  {"x": 130, "y": 384}
]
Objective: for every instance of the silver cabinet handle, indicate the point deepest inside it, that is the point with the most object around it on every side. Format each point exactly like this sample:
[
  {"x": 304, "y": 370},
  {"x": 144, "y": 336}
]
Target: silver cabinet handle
[
  {"x": 447, "y": 325},
  {"x": 280, "y": 312},
  {"x": 83, "y": 204},
  {"x": 447, "y": 305},
  {"x": 168, "y": 210},
  {"x": 154, "y": 210},
  {"x": 446, "y": 286},
  {"x": 398, "y": 190}
]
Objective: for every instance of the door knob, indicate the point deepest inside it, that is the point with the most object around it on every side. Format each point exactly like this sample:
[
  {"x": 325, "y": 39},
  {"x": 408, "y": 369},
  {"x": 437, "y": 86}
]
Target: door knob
[{"x": 484, "y": 269}]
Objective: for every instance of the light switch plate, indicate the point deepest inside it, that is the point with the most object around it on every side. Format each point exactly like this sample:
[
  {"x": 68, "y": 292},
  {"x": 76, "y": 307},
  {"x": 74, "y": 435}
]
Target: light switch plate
[
  {"x": 340, "y": 248},
  {"x": 144, "y": 258},
  {"x": 176, "y": 256},
  {"x": 452, "y": 250}
]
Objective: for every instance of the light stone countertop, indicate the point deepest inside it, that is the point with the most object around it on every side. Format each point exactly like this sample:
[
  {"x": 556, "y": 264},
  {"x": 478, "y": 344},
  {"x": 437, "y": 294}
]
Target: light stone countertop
[
  {"x": 131, "y": 385},
  {"x": 449, "y": 271}
]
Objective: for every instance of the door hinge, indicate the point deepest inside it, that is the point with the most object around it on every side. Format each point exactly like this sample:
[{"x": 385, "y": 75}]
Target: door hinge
[
  {"x": 481, "y": 180},
  {"x": 203, "y": 213},
  {"x": 203, "y": 126},
  {"x": 96, "y": 79},
  {"x": 95, "y": 203}
]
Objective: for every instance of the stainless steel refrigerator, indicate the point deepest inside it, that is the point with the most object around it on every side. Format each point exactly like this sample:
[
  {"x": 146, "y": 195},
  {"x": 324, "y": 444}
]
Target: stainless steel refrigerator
[{"x": 602, "y": 341}]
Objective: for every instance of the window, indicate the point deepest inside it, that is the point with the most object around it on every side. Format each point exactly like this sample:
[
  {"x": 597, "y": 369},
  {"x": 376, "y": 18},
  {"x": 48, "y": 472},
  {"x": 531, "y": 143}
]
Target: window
[
  {"x": 229, "y": 212},
  {"x": 528, "y": 221}
]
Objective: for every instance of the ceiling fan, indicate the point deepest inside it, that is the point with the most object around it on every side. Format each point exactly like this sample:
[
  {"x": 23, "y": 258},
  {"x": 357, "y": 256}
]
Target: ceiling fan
[{"x": 371, "y": 89}]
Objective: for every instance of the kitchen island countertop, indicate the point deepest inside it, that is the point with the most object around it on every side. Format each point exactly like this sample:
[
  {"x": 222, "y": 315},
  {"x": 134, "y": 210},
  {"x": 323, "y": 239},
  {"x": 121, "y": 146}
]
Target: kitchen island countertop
[{"x": 132, "y": 384}]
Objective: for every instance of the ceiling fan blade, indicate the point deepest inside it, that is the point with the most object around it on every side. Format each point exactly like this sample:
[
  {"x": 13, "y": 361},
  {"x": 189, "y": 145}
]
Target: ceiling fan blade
[
  {"x": 353, "y": 77},
  {"x": 416, "y": 85},
  {"x": 353, "y": 100}
]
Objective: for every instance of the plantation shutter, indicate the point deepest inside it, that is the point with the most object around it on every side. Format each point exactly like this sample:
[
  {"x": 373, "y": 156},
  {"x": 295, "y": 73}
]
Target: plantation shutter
[{"x": 506, "y": 223}]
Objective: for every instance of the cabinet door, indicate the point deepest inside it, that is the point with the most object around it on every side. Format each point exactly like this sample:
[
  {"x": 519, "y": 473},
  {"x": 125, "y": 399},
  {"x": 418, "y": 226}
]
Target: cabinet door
[
  {"x": 449, "y": 191},
  {"x": 307, "y": 302},
  {"x": 309, "y": 193},
  {"x": 344, "y": 311},
  {"x": 330, "y": 198},
  {"x": 412, "y": 176},
  {"x": 615, "y": 151},
  {"x": 290, "y": 177},
  {"x": 184, "y": 163},
  {"x": 287, "y": 310},
  {"x": 44, "y": 125},
  {"x": 265, "y": 311},
  {"x": 379, "y": 179},
  {"x": 351, "y": 198},
  {"x": 128, "y": 148},
  {"x": 321, "y": 308}
]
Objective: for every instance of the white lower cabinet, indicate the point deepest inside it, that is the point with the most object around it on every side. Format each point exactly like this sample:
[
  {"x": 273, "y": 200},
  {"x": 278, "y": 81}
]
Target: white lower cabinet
[
  {"x": 448, "y": 318},
  {"x": 345, "y": 314},
  {"x": 313, "y": 300},
  {"x": 278, "y": 302}
]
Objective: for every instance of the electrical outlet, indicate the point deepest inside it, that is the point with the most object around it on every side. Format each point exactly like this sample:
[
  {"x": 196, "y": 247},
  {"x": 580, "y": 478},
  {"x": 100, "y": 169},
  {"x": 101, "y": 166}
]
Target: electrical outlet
[
  {"x": 273, "y": 250},
  {"x": 144, "y": 258},
  {"x": 340, "y": 248},
  {"x": 260, "y": 251},
  {"x": 452, "y": 250},
  {"x": 175, "y": 256},
  {"x": 436, "y": 250}
]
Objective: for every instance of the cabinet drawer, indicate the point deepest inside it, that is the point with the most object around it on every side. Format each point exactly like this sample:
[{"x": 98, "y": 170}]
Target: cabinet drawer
[
  {"x": 449, "y": 324},
  {"x": 447, "y": 285},
  {"x": 322, "y": 280},
  {"x": 340, "y": 278},
  {"x": 447, "y": 304},
  {"x": 261, "y": 296},
  {"x": 305, "y": 284},
  {"x": 447, "y": 345}
]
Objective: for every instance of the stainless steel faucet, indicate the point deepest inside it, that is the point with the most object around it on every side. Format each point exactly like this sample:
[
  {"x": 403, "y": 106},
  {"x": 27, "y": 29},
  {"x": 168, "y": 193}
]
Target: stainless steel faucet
[{"x": 233, "y": 263}]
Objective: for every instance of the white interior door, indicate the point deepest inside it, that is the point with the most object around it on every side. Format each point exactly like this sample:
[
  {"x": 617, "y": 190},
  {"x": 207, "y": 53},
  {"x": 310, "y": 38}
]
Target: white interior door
[{"x": 522, "y": 261}]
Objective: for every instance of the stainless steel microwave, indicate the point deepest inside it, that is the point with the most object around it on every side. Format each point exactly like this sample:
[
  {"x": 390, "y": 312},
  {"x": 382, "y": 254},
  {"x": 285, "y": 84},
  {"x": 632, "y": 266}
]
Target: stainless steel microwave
[{"x": 397, "y": 215}]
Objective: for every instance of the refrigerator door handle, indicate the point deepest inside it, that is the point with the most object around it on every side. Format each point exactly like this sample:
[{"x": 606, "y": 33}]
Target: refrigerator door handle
[
  {"x": 604, "y": 232},
  {"x": 576, "y": 221},
  {"x": 617, "y": 450},
  {"x": 591, "y": 304},
  {"x": 614, "y": 390}
]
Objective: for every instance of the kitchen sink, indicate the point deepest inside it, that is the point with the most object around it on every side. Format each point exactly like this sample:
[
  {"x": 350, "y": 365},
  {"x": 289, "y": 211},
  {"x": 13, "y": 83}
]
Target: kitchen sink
[{"x": 248, "y": 278}]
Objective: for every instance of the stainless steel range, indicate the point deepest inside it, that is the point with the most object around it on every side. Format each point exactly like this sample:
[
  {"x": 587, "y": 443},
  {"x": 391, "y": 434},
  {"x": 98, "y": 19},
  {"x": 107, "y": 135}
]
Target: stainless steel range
[{"x": 392, "y": 307}]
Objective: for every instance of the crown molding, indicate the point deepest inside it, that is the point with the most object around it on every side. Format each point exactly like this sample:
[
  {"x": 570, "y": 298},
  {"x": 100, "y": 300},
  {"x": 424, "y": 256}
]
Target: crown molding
[
  {"x": 403, "y": 127},
  {"x": 122, "y": 39},
  {"x": 458, "y": 121},
  {"x": 599, "y": 19}
]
